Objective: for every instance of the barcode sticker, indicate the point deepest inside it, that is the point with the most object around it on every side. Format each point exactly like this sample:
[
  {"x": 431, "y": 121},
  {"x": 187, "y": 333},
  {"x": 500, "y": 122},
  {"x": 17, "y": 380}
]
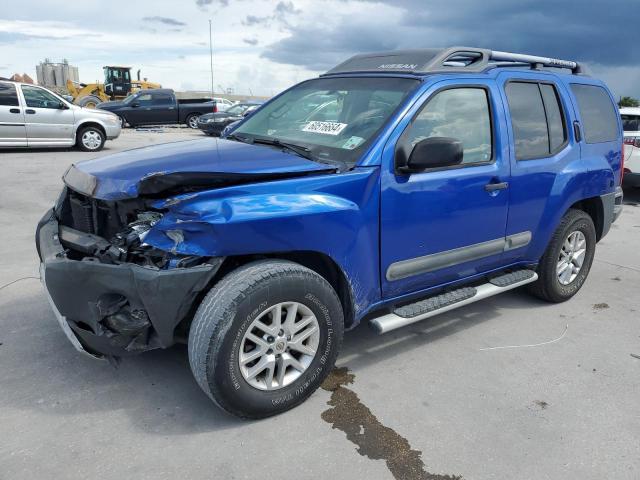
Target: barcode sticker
[{"x": 326, "y": 128}]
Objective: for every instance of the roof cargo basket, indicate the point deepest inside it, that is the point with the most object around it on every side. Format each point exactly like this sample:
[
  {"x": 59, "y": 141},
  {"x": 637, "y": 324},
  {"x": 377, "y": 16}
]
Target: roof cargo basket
[{"x": 454, "y": 59}]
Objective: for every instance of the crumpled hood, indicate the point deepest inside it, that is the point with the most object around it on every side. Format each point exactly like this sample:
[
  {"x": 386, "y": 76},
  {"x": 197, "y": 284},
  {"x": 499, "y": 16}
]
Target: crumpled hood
[{"x": 179, "y": 167}]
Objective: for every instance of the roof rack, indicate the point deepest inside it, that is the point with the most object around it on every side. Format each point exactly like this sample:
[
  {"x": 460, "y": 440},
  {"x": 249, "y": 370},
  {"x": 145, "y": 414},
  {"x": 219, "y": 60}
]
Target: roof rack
[{"x": 453, "y": 59}]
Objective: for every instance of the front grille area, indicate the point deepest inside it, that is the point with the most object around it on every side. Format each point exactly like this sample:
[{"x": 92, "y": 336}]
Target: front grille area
[
  {"x": 82, "y": 213},
  {"x": 97, "y": 217}
]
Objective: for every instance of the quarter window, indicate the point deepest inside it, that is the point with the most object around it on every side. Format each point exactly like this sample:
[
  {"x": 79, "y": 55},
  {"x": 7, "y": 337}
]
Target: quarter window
[
  {"x": 461, "y": 113},
  {"x": 555, "y": 120},
  {"x": 539, "y": 127},
  {"x": 8, "y": 95},
  {"x": 599, "y": 118},
  {"x": 39, "y": 98}
]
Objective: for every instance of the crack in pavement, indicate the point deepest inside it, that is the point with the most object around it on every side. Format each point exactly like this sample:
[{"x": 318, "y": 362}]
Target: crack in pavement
[{"x": 374, "y": 440}]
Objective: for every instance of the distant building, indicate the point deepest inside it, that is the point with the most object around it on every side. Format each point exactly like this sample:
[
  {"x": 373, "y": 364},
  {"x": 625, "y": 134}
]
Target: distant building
[
  {"x": 24, "y": 78},
  {"x": 52, "y": 74}
]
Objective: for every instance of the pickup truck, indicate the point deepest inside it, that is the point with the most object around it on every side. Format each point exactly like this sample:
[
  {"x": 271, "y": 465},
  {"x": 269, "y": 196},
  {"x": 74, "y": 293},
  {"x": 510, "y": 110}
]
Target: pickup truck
[
  {"x": 32, "y": 116},
  {"x": 159, "y": 107},
  {"x": 424, "y": 180}
]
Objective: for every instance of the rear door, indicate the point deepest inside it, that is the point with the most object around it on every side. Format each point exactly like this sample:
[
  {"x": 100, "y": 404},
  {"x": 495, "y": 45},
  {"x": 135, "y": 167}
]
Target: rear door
[
  {"x": 545, "y": 156},
  {"x": 13, "y": 132},
  {"x": 163, "y": 108},
  {"x": 47, "y": 122}
]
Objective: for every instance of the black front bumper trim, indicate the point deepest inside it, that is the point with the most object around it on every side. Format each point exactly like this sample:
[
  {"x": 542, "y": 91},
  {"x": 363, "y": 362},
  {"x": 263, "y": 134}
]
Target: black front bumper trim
[{"x": 76, "y": 288}]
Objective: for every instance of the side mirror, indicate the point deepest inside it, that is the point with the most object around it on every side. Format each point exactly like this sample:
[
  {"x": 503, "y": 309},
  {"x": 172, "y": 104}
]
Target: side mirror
[
  {"x": 433, "y": 152},
  {"x": 135, "y": 105},
  {"x": 62, "y": 106},
  {"x": 248, "y": 113}
]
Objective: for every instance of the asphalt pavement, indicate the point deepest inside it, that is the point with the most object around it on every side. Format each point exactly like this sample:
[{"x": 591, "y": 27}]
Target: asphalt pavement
[{"x": 434, "y": 400}]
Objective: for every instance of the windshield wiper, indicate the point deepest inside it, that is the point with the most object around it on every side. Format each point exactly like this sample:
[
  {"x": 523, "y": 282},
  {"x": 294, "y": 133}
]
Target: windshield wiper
[
  {"x": 297, "y": 149},
  {"x": 238, "y": 138}
]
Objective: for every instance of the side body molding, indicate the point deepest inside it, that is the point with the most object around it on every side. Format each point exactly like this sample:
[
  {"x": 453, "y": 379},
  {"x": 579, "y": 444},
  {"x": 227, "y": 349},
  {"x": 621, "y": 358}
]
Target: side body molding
[{"x": 449, "y": 258}]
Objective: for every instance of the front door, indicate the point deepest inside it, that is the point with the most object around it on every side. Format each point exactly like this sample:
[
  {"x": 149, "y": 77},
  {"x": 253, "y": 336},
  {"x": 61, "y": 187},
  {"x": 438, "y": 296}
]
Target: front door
[
  {"x": 13, "y": 132},
  {"x": 446, "y": 224},
  {"x": 48, "y": 121}
]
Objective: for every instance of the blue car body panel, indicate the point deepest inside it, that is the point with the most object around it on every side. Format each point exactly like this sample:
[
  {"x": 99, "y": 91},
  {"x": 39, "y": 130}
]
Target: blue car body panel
[{"x": 370, "y": 217}]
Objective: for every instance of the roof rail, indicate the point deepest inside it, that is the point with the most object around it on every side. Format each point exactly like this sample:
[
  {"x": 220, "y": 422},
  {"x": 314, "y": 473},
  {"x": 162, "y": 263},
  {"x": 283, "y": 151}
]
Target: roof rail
[
  {"x": 453, "y": 59},
  {"x": 535, "y": 61}
]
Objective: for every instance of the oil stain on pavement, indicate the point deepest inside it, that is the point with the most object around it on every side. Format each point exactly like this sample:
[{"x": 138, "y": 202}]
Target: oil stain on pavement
[{"x": 374, "y": 440}]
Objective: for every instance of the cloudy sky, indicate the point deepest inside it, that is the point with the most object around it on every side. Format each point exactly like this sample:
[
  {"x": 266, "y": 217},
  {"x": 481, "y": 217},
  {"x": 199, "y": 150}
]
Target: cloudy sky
[{"x": 263, "y": 46}]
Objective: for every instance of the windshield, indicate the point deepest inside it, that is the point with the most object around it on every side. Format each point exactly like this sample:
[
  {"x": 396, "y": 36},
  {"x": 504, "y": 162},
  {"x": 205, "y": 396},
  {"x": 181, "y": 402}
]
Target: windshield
[
  {"x": 335, "y": 118},
  {"x": 130, "y": 98}
]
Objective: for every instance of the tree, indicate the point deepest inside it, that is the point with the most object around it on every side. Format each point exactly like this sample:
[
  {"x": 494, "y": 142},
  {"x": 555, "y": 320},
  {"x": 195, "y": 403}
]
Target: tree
[{"x": 628, "y": 102}]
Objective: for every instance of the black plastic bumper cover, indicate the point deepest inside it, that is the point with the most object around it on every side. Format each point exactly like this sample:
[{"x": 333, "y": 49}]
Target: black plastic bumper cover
[{"x": 76, "y": 287}]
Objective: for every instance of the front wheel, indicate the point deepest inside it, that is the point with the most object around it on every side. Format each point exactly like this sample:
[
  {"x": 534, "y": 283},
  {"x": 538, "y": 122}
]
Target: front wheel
[
  {"x": 192, "y": 120},
  {"x": 265, "y": 337},
  {"x": 565, "y": 264},
  {"x": 90, "y": 139}
]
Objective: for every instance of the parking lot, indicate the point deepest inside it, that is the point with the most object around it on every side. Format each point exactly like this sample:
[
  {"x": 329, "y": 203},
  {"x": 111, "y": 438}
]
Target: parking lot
[{"x": 434, "y": 400}]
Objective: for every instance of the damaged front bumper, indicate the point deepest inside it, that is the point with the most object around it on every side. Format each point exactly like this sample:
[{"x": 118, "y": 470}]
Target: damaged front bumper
[{"x": 116, "y": 309}]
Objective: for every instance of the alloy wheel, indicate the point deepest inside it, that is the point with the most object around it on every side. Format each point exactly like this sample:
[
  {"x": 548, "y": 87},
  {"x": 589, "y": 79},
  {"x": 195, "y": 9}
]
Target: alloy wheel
[
  {"x": 279, "y": 346},
  {"x": 571, "y": 258}
]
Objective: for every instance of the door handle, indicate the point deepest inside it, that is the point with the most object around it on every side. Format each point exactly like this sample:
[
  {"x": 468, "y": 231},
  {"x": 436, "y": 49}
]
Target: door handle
[
  {"x": 493, "y": 187},
  {"x": 30, "y": 111},
  {"x": 15, "y": 110},
  {"x": 576, "y": 131}
]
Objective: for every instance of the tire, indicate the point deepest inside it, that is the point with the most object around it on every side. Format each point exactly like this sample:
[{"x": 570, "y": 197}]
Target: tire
[
  {"x": 226, "y": 317},
  {"x": 123, "y": 122},
  {"x": 550, "y": 286},
  {"x": 192, "y": 120},
  {"x": 90, "y": 139},
  {"x": 90, "y": 101}
]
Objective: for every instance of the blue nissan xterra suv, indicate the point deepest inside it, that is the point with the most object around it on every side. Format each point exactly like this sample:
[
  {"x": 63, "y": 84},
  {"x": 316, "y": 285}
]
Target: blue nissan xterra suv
[{"x": 394, "y": 187}]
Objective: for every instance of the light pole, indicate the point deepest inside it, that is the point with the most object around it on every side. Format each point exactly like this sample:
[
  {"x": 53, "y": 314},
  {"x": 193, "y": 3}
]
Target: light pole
[{"x": 211, "y": 55}]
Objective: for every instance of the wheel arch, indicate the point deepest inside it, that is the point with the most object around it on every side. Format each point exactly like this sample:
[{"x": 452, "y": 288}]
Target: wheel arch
[
  {"x": 594, "y": 207},
  {"x": 319, "y": 262},
  {"x": 90, "y": 123}
]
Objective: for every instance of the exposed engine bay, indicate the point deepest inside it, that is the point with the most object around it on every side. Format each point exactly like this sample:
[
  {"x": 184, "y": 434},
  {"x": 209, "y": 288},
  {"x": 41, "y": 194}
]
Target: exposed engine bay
[{"x": 113, "y": 231}]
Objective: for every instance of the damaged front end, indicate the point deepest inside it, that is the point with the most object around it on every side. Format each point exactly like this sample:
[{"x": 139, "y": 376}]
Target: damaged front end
[{"x": 116, "y": 294}]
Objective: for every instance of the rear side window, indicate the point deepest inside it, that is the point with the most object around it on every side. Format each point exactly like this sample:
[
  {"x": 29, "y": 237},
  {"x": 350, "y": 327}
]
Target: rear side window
[
  {"x": 539, "y": 126},
  {"x": 8, "y": 95},
  {"x": 630, "y": 123},
  {"x": 162, "y": 99},
  {"x": 599, "y": 118}
]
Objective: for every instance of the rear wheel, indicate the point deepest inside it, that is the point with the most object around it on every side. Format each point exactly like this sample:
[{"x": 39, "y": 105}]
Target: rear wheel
[
  {"x": 192, "y": 120},
  {"x": 90, "y": 139},
  {"x": 565, "y": 264},
  {"x": 265, "y": 337}
]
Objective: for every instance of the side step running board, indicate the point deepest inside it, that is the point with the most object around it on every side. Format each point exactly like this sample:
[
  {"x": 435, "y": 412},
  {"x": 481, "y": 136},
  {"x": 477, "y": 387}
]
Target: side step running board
[{"x": 414, "y": 312}]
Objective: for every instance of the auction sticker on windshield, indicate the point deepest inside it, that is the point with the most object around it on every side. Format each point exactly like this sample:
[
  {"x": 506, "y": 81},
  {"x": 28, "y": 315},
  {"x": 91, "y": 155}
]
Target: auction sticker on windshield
[{"x": 326, "y": 128}]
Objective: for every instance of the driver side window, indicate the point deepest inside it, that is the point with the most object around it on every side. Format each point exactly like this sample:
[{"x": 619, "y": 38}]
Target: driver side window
[
  {"x": 38, "y": 98},
  {"x": 460, "y": 113},
  {"x": 144, "y": 99}
]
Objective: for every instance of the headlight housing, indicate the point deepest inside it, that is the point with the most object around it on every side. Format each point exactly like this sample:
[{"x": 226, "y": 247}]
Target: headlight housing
[{"x": 80, "y": 181}]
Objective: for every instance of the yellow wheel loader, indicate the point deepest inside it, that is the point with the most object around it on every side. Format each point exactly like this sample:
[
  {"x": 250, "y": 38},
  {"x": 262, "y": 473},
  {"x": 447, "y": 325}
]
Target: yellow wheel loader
[{"x": 117, "y": 85}]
